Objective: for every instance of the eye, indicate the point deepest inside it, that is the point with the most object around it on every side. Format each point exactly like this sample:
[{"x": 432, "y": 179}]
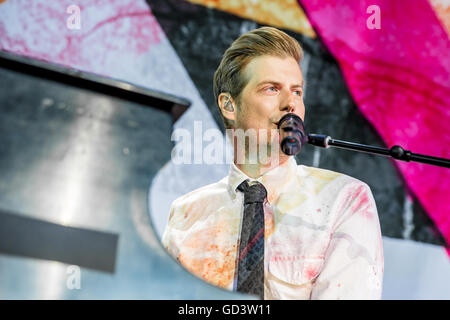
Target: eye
[
  {"x": 272, "y": 89},
  {"x": 298, "y": 92}
]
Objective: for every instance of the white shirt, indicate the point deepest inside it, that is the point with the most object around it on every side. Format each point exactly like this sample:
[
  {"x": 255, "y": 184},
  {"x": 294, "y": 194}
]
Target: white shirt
[{"x": 322, "y": 233}]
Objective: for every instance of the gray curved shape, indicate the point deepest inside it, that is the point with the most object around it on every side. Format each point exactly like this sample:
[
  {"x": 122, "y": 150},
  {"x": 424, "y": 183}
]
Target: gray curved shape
[{"x": 74, "y": 159}]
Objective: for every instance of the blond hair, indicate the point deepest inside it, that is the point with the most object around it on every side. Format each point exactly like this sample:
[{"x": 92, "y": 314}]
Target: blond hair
[{"x": 258, "y": 42}]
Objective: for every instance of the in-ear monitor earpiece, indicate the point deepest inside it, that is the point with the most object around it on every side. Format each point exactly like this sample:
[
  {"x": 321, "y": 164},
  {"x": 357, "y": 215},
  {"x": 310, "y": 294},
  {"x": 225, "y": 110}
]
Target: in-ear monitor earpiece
[{"x": 227, "y": 104}]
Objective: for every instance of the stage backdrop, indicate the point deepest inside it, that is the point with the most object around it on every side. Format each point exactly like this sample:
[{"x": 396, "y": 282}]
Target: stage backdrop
[{"x": 376, "y": 72}]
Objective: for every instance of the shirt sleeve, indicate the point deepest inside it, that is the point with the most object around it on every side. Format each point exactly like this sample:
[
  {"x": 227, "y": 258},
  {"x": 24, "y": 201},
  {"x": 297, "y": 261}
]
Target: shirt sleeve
[
  {"x": 167, "y": 238},
  {"x": 353, "y": 265}
]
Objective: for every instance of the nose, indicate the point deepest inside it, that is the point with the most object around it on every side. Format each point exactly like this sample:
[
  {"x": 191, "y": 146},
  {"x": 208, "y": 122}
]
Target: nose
[{"x": 289, "y": 104}]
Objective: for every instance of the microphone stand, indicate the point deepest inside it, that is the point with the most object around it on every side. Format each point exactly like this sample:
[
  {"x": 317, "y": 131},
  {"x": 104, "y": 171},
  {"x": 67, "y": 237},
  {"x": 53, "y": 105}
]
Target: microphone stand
[
  {"x": 396, "y": 152},
  {"x": 293, "y": 134}
]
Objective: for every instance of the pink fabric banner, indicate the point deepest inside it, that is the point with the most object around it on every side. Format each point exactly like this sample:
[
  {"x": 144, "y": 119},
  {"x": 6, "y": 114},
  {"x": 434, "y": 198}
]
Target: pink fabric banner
[
  {"x": 106, "y": 32},
  {"x": 395, "y": 58}
]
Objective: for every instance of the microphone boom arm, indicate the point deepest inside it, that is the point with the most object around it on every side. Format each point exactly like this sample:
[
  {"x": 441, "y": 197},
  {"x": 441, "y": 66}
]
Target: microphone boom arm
[{"x": 396, "y": 152}]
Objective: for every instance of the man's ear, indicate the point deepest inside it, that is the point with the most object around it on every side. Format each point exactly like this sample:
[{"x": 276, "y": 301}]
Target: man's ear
[{"x": 227, "y": 106}]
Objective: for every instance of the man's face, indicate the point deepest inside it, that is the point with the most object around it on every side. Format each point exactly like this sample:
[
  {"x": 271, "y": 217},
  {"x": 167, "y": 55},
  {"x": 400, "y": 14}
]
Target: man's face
[{"x": 274, "y": 88}]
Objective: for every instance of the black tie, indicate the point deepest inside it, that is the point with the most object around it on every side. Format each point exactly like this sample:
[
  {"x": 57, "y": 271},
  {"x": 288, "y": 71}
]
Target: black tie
[{"x": 251, "y": 247}]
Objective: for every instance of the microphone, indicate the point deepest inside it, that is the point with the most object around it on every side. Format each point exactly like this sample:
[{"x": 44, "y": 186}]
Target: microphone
[
  {"x": 292, "y": 134},
  {"x": 293, "y": 137}
]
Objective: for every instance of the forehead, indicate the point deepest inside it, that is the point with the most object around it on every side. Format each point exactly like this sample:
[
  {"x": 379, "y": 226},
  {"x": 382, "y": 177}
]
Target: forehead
[{"x": 284, "y": 70}]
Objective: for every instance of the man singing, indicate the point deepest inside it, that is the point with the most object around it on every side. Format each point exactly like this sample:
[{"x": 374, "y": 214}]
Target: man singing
[{"x": 273, "y": 228}]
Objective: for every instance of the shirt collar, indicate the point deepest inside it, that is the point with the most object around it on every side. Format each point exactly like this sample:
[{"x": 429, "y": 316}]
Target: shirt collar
[{"x": 273, "y": 180}]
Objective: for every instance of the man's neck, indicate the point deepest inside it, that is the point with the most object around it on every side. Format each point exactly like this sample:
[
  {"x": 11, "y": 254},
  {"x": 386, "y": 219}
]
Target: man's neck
[{"x": 255, "y": 170}]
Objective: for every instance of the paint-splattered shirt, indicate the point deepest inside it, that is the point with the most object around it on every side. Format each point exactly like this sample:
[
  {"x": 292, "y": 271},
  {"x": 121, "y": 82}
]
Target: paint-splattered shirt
[{"x": 322, "y": 233}]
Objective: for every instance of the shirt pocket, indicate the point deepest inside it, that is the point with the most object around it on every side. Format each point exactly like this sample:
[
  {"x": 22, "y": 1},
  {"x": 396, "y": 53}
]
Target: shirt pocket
[{"x": 295, "y": 270}]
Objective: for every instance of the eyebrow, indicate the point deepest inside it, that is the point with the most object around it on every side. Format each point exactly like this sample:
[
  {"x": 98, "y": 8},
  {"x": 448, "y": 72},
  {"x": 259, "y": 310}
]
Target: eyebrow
[{"x": 300, "y": 85}]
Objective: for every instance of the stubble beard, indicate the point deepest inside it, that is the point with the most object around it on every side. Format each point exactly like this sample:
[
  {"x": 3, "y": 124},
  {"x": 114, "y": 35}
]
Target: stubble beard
[{"x": 261, "y": 147}]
